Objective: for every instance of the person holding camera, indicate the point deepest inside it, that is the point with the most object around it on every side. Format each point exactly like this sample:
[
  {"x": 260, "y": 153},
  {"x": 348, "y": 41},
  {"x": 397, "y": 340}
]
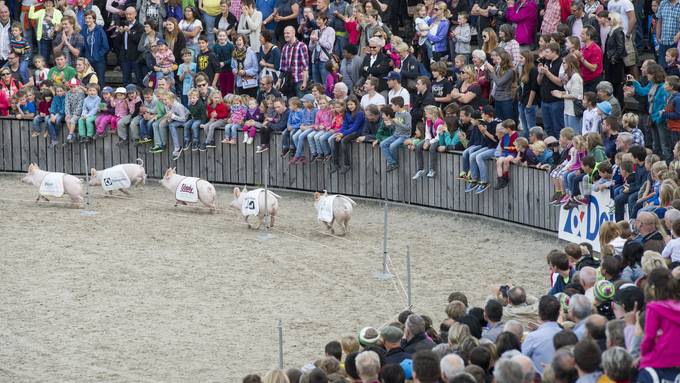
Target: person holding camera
[{"x": 131, "y": 32}]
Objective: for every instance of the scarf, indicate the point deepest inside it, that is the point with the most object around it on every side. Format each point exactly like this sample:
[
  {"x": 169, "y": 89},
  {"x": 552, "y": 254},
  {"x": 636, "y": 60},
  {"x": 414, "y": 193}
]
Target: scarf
[{"x": 239, "y": 55}]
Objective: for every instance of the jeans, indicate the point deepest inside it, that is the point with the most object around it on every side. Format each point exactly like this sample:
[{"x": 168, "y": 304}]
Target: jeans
[
  {"x": 319, "y": 72},
  {"x": 287, "y": 139},
  {"x": 52, "y": 127},
  {"x": 573, "y": 122},
  {"x": 86, "y": 126},
  {"x": 129, "y": 67},
  {"x": 344, "y": 143},
  {"x": 231, "y": 131},
  {"x": 340, "y": 43},
  {"x": 466, "y": 156},
  {"x": 145, "y": 128},
  {"x": 389, "y": 148},
  {"x": 174, "y": 125},
  {"x": 662, "y": 144},
  {"x": 160, "y": 133},
  {"x": 620, "y": 202},
  {"x": 478, "y": 164},
  {"x": 100, "y": 69},
  {"x": 209, "y": 23},
  {"x": 322, "y": 141},
  {"x": 45, "y": 50},
  {"x": 420, "y": 155},
  {"x": 527, "y": 117},
  {"x": 314, "y": 145},
  {"x": 568, "y": 179},
  {"x": 37, "y": 123},
  {"x": 504, "y": 110},
  {"x": 661, "y": 54},
  {"x": 553, "y": 120},
  {"x": 191, "y": 128},
  {"x": 299, "y": 139}
]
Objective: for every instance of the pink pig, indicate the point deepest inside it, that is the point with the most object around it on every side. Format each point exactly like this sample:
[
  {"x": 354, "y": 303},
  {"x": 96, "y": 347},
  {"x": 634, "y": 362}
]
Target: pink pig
[
  {"x": 206, "y": 191},
  {"x": 72, "y": 185}
]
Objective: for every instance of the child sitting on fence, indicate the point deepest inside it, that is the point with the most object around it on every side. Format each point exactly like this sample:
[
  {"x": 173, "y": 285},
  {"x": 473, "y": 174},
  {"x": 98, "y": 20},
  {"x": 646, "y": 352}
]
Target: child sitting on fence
[
  {"x": 323, "y": 140},
  {"x": 73, "y": 107},
  {"x": 198, "y": 116},
  {"x": 237, "y": 116},
  {"x": 43, "y": 113},
  {"x": 294, "y": 121},
  {"x": 402, "y": 132},
  {"x": 306, "y": 128},
  {"x": 89, "y": 113},
  {"x": 25, "y": 107},
  {"x": 177, "y": 117},
  {"x": 106, "y": 111},
  {"x": 133, "y": 103},
  {"x": 254, "y": 117},
  {"x": 149, "y": 113},
  {"x": 563, "y": 163},
  {"x": 506, "y": 154},
  {"x": 160, "y": 124},
  {"x": 579, "y": 151},
  {"x": 322, "y": 123},
  {"x": 218, "y": 113},
  {"x": 56, "y": 114}
]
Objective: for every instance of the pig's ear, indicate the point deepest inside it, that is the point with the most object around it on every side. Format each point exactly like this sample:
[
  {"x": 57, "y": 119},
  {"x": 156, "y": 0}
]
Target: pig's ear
[
  {"x": 317, "y": 195},
  {"x": 237, "y": 192}
]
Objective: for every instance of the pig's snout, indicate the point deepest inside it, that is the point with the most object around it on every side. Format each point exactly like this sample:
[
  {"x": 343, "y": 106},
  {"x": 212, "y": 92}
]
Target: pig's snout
[{"x": 26, "y": 180}]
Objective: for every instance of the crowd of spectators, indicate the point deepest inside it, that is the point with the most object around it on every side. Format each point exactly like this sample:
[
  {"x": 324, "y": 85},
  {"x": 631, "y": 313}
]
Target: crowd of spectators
[{"x": 612, "y": 318}]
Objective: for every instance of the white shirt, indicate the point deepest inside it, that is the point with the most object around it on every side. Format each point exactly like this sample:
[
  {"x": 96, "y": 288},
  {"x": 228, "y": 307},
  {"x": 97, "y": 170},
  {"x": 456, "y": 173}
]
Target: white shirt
[
  {"x": 590, "y": 122},
  {"x": 621, "y": 7},
  {"x": 4, "y": 40},
  {"x": 672, "y": 250},
  {"x": 402, "y": 92},
  {"x": 377, "y": 99}
]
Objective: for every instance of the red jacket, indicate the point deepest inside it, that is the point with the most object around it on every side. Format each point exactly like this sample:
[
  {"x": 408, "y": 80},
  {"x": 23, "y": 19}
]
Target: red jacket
[{"x": 222, "y": 111}]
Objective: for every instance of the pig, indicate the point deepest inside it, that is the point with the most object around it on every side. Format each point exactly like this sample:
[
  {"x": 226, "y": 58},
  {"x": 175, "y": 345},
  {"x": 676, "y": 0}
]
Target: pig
[
  {"x": 72, "y": 185},
  {"x": 135, "y": 173},
  {"x": 272, "y": 206},
  {"x": 342, "y": 210},
  {"x": 206, "y": 191}
]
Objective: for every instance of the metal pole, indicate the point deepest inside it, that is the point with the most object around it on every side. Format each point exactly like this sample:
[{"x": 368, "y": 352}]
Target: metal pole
[
  {"x": 87, "y": 211},
  {"x": 384, "y": 274},
  {"x": 280, "y": 328},
  {"x": 264, "y": 234},
  {"x": 408, "y": 275}
]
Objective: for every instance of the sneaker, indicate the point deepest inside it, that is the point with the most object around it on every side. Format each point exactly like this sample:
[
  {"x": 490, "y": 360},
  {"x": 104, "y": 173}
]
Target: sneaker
[
  {"x": 226, "y": 140},
  {"x": 285, "y": 152},
  {"x": 431, "y": 173},
  {"x": 585, "y": 200},
  {"x": 83, "y": 140},
  {"x": 153, "y": 148},
  {"x": 481, "y": 188},
  {"x": 418, "y": 174},
  {"x": 345, "y": 169},
  {"x": 565, "y": 198},
  {"x": 570, "y": 204},
  {"x": 302, "y": 160},
  {"x": 391, "y": 168},
  {"x": 176, "y": 153},
  {"x": 556, "y": 197},
  {"x": 245, "y": 138},
  {"x": 160, "y": 149},
  {"x": 262, "y": 149},
  {"x": 232, "y": 141},
  {"x": 210, "y": 145},
  {"x": 202, "y": 148},
  {"x": 293, "y": 161},
  {"x": 470, "y": 187},
  {"x": 52, "y": 144},
  {"x": 501, "y": 182},
  {"x": 249, "y": 141},
  {"x": 194, "y": 146},
  {"x": 45, "y": 133},
  {"x": 463, "y": 176},
  {"x": 71, "y": 138},
  {"x": 328, "y": 158},
  {"x": 187, "y": 145},
  {"x": 34, "y": 134},
  {"x": 145, "y": 140}
]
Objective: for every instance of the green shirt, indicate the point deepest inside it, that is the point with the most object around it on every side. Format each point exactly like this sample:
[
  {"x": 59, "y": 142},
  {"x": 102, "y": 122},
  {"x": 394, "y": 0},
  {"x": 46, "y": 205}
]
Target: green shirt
[{"x": 61, "y": 76}]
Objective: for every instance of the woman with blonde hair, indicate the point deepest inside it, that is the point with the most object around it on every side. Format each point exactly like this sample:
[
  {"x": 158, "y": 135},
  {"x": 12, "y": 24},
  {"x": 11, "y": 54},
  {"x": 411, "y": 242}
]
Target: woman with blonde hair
[
  {"x": 457, "y": 333},
  {"x": 573, "y": 92},
  {"x": 276, "y": 376},
  {"x": 610, "y": 234},
  {"x": 439, "y": 31},
  {"x": 84, "y": 72},
  {"x": 468, "y": 91}
]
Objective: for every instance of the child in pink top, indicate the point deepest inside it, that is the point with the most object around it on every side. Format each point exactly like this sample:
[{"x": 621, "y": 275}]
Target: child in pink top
[
  {"x": 322, "y": 123},
  {"x": 106, "y": 111}
]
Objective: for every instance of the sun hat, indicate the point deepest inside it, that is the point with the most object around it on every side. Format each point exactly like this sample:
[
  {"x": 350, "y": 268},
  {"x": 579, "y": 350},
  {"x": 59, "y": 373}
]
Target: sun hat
[
  {"x": 368, "y": 336},
  {"x": 605, "y": 107},
  {"x": 120, "y": 90}
]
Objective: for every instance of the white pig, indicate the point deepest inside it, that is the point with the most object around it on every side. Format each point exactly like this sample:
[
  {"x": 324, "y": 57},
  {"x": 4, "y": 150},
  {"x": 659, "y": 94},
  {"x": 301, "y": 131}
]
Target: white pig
[
  {"x": 206, "y": 191},
  {"x": 72, "y": 185},
  {"x": 342, "y": 210},
  {"x": 135, "y": 173},
  {"x": 272, "y": 205}
]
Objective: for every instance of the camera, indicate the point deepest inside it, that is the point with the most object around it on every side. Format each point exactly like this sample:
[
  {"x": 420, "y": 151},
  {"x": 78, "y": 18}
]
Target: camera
[{"x": 504, "y": 290}]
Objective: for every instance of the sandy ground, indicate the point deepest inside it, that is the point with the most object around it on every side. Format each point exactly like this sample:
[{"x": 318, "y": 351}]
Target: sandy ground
[{"x": 146, "y": 292}]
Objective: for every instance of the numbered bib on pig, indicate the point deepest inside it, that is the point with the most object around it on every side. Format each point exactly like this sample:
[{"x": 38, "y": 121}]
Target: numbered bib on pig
[
  {"x": 115, "y": 178},
  {"x": 52, "y": 185},
  {"x": 187, "y": 190},
  {"x": 251, "y": 204},
  {"x": 326, "y": 208}
]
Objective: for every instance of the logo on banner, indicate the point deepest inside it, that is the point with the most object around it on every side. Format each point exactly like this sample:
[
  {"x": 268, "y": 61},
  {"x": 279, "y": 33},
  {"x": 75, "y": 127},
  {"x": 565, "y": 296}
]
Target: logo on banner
[
  {"x": 251, "y": 203},
  {"x": 582, "y": 223},
  {"x": 115, "y": 178},
  {"x": 187, "y": 191}
]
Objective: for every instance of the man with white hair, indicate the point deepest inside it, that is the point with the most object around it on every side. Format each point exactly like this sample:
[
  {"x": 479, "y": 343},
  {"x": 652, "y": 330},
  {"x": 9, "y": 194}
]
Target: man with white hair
[
  {"x": 515, "y": 327},
  {"x": 415, "y": 338},
  {"x": 624, "y": 141},
  {"x": 580, "y": 307},
  {"x": 508, "y": 371},
  {"x": 527, "y": 367},
  {"x": 670, "y": 217},
  {"x": 340, "y": 91},
  {"x": 588, "y": 277},
  {"x": 450, "y": 365},
  {"x": 368, "y": 366}
]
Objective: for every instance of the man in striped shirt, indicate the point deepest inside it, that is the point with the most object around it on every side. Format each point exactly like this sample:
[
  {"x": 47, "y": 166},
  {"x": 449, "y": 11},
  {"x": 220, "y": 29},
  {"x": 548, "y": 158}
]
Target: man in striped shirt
[{"x": 295, "y": 59}]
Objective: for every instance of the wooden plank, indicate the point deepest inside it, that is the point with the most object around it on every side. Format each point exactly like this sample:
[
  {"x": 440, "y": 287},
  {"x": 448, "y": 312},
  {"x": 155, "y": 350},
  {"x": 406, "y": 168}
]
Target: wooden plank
[
  {"x": 219, "y": 156},
  {"x": 109, "y": 147},
  {"x": 7, "y": 145},
  {"x": 210, "y": 160}
]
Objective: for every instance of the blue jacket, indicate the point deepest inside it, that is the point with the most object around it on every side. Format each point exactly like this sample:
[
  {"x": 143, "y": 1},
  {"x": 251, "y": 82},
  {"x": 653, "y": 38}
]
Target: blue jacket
[
  {"x": 440, "y": 39},
  {"x": 58, "y": 105},
  {"x": 659, "y": 101},
  {"x": 294, "y": 119},
  {"x": 96, "y": 44},
  {"x": 352, "y": 124},
  {"x": 675, "y": 114}
]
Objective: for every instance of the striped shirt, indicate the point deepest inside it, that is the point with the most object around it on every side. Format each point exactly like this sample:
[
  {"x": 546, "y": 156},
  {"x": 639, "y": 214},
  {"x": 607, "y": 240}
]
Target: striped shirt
[
  {"x": 295, "y": 59},
  {"x": 669, "y": 14}
]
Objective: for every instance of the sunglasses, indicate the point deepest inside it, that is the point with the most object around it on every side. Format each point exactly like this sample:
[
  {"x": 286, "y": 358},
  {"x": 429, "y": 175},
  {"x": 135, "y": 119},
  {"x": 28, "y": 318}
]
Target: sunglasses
[{"x": 201, "y": 85}]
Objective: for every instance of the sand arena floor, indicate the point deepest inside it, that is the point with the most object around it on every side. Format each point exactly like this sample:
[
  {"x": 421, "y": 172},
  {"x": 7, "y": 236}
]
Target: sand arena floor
[{"x": 146, "y": 292}]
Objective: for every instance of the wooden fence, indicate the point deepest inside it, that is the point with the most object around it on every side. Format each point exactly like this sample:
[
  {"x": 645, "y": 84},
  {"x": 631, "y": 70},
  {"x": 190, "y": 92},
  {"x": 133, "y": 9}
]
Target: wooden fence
[{"x": 524, "y": 201}]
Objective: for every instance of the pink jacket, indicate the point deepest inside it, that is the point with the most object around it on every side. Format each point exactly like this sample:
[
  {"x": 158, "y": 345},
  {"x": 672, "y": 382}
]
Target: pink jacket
[
  {"x": 121, "y": 107},
  {"x": 525, "y": 15},
  {"x": 661, "y": 351},
  {"x": 324, "y": 119}
]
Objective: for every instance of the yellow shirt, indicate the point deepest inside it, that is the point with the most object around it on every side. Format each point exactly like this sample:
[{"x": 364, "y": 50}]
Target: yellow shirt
[{"x": 211, "y": 7}]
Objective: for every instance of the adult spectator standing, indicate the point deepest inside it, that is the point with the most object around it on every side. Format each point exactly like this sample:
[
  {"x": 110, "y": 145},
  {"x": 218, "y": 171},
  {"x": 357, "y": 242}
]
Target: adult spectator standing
[
  {"x": 295, "y": 60},
  {"x": 415, "y": 338},
  {"x": 46, "y": 21},
  {"x": 250, "y": 25},
  {"x": 588, "y": 359},
  {"x": 590, "y": 59},
  {"x": 422, "y": 98},
  {"x": 285, "y": 14},
  {"x": 210, "y": 10},
  {"x": 578, "y": 19},
  {"x": 337, "y": 12},
  {"x": 96, "y": 46},
  {"x": 426, "y": 367},
  {"x": 174, "y": 38},
  {"x": 376, "y": 63},
  {"x": 244, "y": 66},
  {"x": 149, "y": 39},
  {"x": 368, "y": 366},
  {"x": 667, "y": 26},
  {"x": 18, "y": 73},
  {"x": 573, "y": 91},
  {"x": 350, "y": 66},
  {"x": 538, "y": 344},
  {"x": 391, "y": 340},
  {"x": 267, "y": 89},
  {"x": 191, "y": 27},
  {"x": 321, "y": 44},
  {"x": 580, "y": 307},
  {"x": 614, "y": 52},
  {"x": 267, "y": 9},
  {"x": 396, "y": 90},
  {"x": 493, "y": 314},
  {"x": 5, "y": 24},
  {"x": 269, "y": 55},
  {"x": 552, "y": 108},
  {"x": 439, "y": 31},
  {"x": 409, "y": 69},
  {"x": 129, "y": 51},
  {"x": 626, "y": 12},
  {"x": 551, "y": 16},
  {"x": 648, "y": 232},
  {"x": 68, "y": 40},
  {"x": 605, "y": 92},
  {"x": 524, "y": 15},
  {"x": 227, "y": 21},
  {"x": 61, "y": 73}
]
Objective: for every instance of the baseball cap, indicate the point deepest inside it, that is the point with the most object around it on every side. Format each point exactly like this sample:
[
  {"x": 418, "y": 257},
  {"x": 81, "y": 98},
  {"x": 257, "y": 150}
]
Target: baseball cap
[
  {"x": 605, "y": 107},
  {"x": 393, "y": 76}
]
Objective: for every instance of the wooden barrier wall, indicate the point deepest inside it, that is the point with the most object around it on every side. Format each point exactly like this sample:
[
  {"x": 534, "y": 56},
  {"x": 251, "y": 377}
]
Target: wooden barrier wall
[{"x": 524, "y": 201}]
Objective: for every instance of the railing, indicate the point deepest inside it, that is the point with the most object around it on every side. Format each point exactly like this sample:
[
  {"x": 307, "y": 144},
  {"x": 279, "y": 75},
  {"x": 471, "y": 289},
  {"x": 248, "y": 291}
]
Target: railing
[{"x": 524, "y": 201}]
